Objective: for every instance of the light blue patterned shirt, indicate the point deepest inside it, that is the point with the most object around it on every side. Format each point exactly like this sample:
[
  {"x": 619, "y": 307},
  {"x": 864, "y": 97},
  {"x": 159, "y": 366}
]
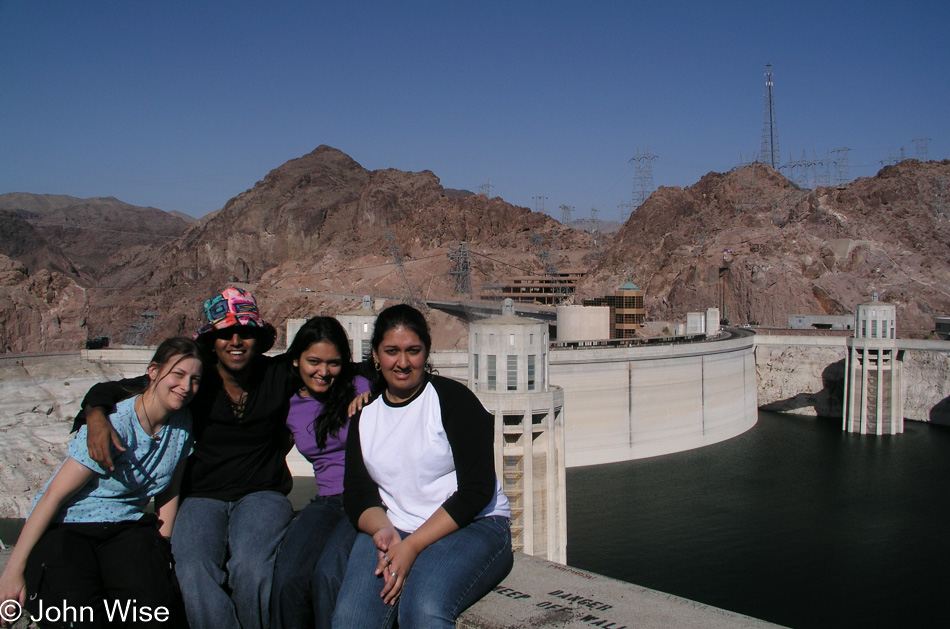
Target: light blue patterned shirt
[{"x": 143, "y": 470}]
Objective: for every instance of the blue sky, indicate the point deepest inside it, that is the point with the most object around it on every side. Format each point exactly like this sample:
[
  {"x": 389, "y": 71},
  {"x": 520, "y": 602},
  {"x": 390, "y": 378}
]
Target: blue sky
[{"x": 183, "y": 105}]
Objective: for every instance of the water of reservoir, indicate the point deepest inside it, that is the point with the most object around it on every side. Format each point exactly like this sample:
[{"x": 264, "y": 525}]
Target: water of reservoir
[{"x": 794, "y": 522}]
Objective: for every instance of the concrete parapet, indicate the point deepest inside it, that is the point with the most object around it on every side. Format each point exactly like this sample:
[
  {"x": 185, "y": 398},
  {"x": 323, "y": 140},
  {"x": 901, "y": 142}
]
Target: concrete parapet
[
  {"x": 771, "y": 340},
  {"x": 540, "y": 593}
]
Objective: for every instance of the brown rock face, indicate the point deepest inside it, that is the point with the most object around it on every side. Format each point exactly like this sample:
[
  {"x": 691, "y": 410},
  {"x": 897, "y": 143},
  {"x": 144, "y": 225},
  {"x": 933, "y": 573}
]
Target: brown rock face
[
  {"x": 90, "y": 231},
  {"x": 748, "y": 241},
  {"x": 752, "y": 243},
  {"x": 325, "y": 223},
  {"x": 40, "y": 312}
]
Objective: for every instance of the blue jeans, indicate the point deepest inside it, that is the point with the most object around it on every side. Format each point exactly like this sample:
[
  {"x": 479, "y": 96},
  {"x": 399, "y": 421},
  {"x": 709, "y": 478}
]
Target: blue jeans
[
  {"x": 302, "y": 596},
  {"x": 224, "y": 557},
  {"x": 447, "y": 577}
]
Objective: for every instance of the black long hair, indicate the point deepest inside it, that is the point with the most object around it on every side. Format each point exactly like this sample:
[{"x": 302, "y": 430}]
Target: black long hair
[
  {"x": 341, "y": 392},
  {"x": 395, "y": 316}
]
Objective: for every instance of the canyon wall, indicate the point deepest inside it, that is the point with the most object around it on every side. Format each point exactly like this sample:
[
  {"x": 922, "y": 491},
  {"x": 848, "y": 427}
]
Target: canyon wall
[{"x": 805, "y": 376}]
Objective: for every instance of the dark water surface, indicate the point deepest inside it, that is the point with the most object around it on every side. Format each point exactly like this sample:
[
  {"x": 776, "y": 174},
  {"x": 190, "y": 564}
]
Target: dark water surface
[{"x": 794, "y": 522}]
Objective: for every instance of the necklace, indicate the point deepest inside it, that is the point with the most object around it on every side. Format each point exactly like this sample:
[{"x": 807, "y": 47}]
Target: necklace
[
  {"x": 151, "y": 429},
  {"x": 237, "y": 406}
]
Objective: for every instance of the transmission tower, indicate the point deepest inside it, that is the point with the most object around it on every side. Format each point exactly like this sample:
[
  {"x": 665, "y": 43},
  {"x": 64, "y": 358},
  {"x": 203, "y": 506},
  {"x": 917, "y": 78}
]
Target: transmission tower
[
  {"x": 549, "y": 265},
  {"x": 821, "y": 169},
  {"x": 643, "y": 177},
  {"x": 769, "y": 153},
  {"x": 485, "y": 189},
  {"x": 941, "y": 204},
  {"x": 921, "y": 144},
  {"x": 539, "y": 203},
  {"x": 566, "y": 214},
  {"x": 626, "y": 208},
  {"x": 409, "y": 295},
  {"x": 842, "y": 169},
  {"x": 798, "y": 171},
  {"x": 461, "y": 270},
  {"x": 141, "y": 329}
]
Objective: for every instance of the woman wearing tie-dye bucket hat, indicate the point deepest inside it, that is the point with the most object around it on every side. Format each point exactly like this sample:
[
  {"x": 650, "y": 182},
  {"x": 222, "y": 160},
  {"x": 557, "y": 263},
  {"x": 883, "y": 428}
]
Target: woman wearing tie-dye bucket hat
[{"x": 236, "y": 483}]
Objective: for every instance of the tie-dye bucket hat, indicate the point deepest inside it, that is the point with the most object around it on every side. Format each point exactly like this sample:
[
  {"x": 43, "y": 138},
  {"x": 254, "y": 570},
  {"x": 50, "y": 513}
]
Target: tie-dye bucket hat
[{"x": 235, "y": 306}]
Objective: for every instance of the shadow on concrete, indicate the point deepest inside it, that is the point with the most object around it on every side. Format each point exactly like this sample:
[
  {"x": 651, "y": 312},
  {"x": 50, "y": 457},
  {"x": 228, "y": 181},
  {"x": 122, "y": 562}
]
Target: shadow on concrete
[
  {"x": 828, "y": 402},
  {"x": 940, "y": 413}
]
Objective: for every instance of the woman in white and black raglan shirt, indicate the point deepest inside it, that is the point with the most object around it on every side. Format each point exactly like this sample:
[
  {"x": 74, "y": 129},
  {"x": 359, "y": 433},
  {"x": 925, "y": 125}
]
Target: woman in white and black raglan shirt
[{"x": 420, "y": 486}]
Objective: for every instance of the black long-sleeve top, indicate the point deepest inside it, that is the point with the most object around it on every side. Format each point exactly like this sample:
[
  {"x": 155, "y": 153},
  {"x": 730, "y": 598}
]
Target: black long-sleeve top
[{"x": 232, "y": 458}]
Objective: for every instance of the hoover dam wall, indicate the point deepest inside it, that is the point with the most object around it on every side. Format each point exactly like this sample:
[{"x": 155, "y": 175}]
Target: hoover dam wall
[{"x": 635, "y": 402}]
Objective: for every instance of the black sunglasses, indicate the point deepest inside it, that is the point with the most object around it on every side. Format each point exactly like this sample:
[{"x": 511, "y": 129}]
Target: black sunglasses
[{"x": 243, "y": 331}]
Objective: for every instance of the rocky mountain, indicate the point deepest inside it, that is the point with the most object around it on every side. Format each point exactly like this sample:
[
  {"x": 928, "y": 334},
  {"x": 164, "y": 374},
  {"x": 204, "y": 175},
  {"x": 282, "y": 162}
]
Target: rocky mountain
[
  {"x": 754, "y": 244},
  {"x": 748, "y": 240},
  {"x": 325, "y": 223},
  {"x": 42, "y": 306},
  {"x": 20, "y": 241},
  {"x": 42, "y": 311},
  {"x": 89, "y": 231}
]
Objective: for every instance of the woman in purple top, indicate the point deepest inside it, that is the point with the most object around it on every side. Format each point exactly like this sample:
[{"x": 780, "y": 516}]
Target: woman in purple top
[{"x": 322, "y": 365}]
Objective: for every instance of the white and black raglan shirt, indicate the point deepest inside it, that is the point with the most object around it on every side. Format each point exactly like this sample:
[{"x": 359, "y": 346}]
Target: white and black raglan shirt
[{"x": 434, "y": 450}]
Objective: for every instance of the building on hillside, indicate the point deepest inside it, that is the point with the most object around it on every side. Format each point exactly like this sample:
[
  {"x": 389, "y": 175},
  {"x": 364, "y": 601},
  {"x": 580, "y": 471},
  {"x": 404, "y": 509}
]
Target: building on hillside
[
  {"x": 508, "y": 371},
  {"x": 549, "y": 289},
  {"x": 873, "y": 388},
  {"x": 626, "y": 310}
]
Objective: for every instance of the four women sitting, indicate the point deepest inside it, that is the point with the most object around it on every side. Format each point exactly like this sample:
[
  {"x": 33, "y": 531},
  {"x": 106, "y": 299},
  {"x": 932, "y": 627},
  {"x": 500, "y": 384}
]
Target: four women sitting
[{"x": 427, "y": 532}]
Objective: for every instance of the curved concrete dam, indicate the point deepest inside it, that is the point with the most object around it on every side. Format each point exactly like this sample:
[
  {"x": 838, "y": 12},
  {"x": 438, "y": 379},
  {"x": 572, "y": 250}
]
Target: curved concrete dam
[{"x": 633, "y": 402}]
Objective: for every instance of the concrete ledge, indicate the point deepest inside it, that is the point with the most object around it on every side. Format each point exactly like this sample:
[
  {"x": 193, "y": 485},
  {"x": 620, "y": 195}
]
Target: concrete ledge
[{"x": 539, "y": 593}]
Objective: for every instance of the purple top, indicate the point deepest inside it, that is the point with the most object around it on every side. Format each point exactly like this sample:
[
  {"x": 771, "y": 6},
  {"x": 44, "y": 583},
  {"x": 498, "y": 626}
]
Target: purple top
[{"x": 328, "y": 462}]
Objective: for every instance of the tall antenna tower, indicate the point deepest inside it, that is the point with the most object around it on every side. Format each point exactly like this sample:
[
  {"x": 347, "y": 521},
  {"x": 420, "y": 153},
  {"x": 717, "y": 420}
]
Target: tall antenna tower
[
  {"x": 566, "y": 214},
  {"x": 461, "y": 269},
  {"x": 643, "y": 177},
  {"x": 769, "y": 153},
  {"x": 840, "y": 162}
]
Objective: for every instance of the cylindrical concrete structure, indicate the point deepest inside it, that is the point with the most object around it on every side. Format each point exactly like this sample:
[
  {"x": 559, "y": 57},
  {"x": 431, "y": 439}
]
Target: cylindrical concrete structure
[{"x": 508, "y": 371}]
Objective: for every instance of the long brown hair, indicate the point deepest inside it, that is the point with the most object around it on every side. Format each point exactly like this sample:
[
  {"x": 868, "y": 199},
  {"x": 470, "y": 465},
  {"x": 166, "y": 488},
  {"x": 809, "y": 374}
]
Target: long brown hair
[{"x": 179, "y": 346}]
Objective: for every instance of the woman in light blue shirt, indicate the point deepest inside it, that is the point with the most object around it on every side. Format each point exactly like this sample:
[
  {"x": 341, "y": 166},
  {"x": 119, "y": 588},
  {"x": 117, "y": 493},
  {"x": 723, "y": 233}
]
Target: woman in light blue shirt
[{"x": 88, "y": 553}]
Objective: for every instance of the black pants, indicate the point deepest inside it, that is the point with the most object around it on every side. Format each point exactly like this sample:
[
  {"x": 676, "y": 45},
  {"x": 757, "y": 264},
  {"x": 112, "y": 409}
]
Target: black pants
[{"x": 87, "y": 575}]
